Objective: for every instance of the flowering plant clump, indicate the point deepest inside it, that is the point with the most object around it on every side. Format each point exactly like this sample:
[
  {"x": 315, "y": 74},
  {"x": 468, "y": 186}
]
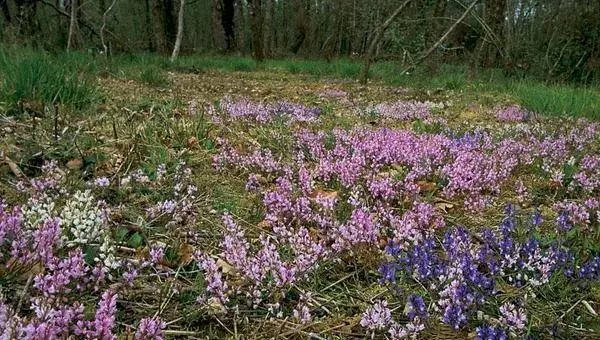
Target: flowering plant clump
[
  {"x": 512, "y": 113},
  {"x": 63, "y": 244},
  {"x": 406, "y": 110},
  {"x": 465, "y": 274},
  {"x": 259, "y": 112}
]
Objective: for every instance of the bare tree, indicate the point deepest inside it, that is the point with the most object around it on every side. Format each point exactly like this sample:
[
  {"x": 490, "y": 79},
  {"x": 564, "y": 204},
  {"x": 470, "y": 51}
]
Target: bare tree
[
  {"x": 179, "y": 31},
  {"x": 364, "y": 72}
]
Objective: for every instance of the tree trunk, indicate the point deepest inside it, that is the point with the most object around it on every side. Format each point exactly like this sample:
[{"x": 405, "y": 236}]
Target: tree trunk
[
  {"x": 164, "y": 25},
  {"x": 227, "y": 20},
  {"x": 72, "y": 24},
  {"x": 301, "y": 26},
  {"x": 364, "y": 72},
  {"x": 218, "y": 34},
  {"x": 494, "y": 17},
  {"x": 179, "y": 31},
  {"x": 159, "y": 30},
  {"x": 256, "y": 26},
  {"x": 104, "y": 21},
  {"x": 148, "y": 22},
  {"x": 269, "y": 28}
]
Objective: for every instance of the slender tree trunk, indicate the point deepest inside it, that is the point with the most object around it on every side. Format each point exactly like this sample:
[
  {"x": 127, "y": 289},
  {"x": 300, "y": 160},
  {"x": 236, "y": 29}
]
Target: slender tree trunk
[
  {"x": 104, "y": 19},
  {"x": 256, "y": 26},
  {"x": 179, "y": 31},
  {"x": 364, "y": 72},
  {"x": 72, "y": 24}
]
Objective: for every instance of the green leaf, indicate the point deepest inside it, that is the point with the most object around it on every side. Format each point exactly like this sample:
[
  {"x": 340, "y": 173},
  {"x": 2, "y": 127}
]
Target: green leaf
[{"x": 136, "y": 240}]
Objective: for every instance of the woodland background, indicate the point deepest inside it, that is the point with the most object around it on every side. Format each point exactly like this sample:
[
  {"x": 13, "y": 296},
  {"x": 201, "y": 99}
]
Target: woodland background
[{"x": 556, "y": 40}]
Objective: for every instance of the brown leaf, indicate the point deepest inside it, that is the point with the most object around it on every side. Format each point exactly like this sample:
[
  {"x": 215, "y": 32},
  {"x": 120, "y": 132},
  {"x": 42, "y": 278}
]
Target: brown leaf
[
  {"x": 192, "y": 141},
  {"x": 12, "y": 165},
  {"x": 426, "y": 186},
  {"x": 186, "y": 252},
  {"x": 75, "y": 164},
  {"x": 443, "y": 206}
]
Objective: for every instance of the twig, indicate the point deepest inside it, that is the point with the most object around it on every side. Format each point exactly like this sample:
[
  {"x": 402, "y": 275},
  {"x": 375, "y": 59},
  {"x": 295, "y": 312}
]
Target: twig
[
  {"x": 569, "y": 310},
  {"x": 176, "y": 332},
  {"x": 23, "y": 292}
]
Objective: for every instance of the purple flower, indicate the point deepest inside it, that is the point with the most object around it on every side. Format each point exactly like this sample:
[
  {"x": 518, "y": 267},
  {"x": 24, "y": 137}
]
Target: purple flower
[
  {"x": 377, "y": 317},
  {"x": 105, "y": 316},
  {"x": 513, "y": 316},
  {"x": 488, "y": 332},
  {"x": 102, "y": 182},
  {"x": 150, "y": 329}
]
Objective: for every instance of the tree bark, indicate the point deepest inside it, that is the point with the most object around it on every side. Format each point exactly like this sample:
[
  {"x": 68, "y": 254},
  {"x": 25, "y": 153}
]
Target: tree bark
[
  {"x": 301, "y": 26},
  {"x": 228, "y": 23},
  {"x": 218, "y": 34},
  {"x": 179, "y": 31},
  {"x": 494, "y": 17},
  {"x": 269, "y": 28},
  {"x": 364, "y": 72},
  {"x": 148, "y": 22},
  {"x": 164, "y": 25},
  {"x": 256, "y": 26}
]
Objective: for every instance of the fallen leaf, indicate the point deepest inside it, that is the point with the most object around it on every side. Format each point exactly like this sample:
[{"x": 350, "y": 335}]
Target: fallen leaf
[
  {"x": 226, "y": 268},
  {"x": 75, "y": 164}
]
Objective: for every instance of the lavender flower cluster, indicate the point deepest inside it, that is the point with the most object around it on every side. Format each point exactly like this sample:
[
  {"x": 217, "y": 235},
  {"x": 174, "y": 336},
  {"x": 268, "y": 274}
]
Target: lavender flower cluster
[
  {"x": 466, "y": 273},
  {"x": 406, "y": 110},
  {"x": 260, "y": 112},
  {"x": 512, "y": 114},
  {"x": 341, "y": 191}
]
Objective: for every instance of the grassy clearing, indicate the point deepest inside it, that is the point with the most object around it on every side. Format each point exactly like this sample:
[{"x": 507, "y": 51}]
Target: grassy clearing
[
  {"x": 68, "y": 78},
  {"x": 144, "y": 126}
]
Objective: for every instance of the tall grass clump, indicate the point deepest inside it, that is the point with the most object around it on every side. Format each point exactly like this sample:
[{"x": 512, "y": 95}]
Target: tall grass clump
[{"x": 36, "y": 76}]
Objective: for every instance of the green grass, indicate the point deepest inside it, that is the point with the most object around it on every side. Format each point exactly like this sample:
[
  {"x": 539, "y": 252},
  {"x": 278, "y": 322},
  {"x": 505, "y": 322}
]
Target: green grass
[
  {"x": 67, "y": 78},
  {"x": 33, "y": 76}
]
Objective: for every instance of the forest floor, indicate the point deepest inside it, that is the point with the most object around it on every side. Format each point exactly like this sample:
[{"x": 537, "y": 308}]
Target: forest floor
[{"x": 266, "y": 204}]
